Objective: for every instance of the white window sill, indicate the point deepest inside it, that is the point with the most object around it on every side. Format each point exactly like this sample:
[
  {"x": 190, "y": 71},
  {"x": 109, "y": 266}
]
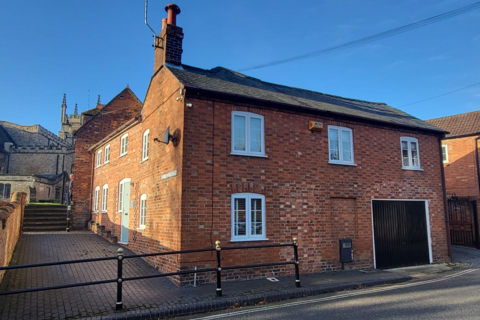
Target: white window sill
[
  {"x": 122, "y": 155},
  {"x": 343, "y": 163},
  {"x": 248, "y": 240},
  {"x": 103, "y": 212},
  {"x": 124, "y": 243},
  {"x": 98, "y": 166},
  {"x": 144, "y": 160},
  {"x": 106, "y": 162},
  {"x": 412, "y": 169},
  {"x": 249, "y": 155},
  {"x": 142, "y": 228}
]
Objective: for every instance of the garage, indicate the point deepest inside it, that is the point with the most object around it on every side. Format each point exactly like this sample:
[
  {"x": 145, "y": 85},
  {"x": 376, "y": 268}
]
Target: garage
[{"x": 401, "y": 233}]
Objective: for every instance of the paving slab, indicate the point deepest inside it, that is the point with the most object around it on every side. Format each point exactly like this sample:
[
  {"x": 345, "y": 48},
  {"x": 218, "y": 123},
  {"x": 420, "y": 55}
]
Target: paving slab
[{"x": 144, "y": 299}]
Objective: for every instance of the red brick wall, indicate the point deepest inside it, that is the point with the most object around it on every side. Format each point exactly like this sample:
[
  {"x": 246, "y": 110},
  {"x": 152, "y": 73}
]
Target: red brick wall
[
  {"x": 118, "y": 111},
  {"x": 13, "y": 214},
  {"x": 461, "y": 171},
  {"x": 306, "y": 197},
  {"x": 162, "y": 232}
]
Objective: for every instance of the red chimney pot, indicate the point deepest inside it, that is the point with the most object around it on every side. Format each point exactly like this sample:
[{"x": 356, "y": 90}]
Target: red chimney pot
[{"x": 172, "y": 10}]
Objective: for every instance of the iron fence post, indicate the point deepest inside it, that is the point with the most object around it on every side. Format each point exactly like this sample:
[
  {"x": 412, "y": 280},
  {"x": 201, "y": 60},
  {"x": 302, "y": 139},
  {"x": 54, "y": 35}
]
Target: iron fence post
[
  {"x": 297, "y": 262},
  {"x": 219, "y": 269},
  {"x": 119, "y": 304},
  {"x": 69, "y": 208}
]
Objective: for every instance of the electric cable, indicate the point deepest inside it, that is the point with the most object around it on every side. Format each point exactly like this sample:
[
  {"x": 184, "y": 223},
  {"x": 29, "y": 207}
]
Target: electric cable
[
  {"x": 440, "y": 95},
  {"x": 371, "y": 38}
]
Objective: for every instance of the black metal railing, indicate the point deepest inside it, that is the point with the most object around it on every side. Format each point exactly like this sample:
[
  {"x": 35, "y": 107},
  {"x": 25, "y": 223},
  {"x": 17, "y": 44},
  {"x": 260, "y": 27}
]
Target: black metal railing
[
  {"x": 120, "y": 279},
  {"x": 69, "y": 207}
]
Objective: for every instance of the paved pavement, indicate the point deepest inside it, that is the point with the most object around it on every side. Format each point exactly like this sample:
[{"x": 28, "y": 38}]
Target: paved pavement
[{"x": 143, "y": 299}]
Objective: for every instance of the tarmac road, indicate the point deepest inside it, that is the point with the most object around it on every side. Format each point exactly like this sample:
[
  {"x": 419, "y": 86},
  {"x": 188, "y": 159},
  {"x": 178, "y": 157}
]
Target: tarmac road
[{"x": 450, "y": 295}]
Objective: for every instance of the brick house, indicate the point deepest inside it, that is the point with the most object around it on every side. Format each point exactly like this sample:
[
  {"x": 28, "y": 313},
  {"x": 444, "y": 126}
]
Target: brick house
[
  {"x": 251, "y": 162},
  {"x": 458, "y": 149},
  {"x": 460, "y": 160},
  {"x": 98, "y": 123}
]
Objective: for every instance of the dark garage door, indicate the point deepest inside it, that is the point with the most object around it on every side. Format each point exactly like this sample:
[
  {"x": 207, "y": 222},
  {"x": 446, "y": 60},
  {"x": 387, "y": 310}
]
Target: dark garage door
[{"x": 400, "y": 230}]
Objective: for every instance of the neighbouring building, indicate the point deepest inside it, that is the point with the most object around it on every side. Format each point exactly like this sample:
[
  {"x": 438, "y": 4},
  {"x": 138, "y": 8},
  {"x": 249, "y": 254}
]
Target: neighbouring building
[
  {"x": 98, "y": 123},
  {"x": 218, "y": 155},
  {"x": 460, "y": 159},
  {"x": 33, "y": 160}
]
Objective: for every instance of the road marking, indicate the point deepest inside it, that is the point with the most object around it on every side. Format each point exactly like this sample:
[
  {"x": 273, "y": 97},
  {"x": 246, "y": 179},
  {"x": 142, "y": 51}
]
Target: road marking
[{"x": 339, "y": 296}]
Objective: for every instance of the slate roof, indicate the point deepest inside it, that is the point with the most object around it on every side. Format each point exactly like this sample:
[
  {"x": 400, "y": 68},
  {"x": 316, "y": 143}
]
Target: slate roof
[
  {"x": 225, "y": 81},
  {"x": 5, "y": 137},
  {"x": 464, "y": 124}
]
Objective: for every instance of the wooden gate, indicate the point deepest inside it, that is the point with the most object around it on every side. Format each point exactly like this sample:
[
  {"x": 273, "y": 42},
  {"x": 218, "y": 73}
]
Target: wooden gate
[
  {"x": 401, "y": 233},
  {"x": 462, "y": 214}
]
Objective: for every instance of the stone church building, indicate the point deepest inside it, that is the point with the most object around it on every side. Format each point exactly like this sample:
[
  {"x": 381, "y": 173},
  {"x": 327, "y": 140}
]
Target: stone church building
[{"x": 35, "y": 160}]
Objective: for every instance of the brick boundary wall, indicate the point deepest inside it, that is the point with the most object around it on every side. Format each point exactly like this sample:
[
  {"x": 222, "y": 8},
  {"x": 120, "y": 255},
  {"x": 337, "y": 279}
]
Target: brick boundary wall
[{"x": 11, "y": 216}]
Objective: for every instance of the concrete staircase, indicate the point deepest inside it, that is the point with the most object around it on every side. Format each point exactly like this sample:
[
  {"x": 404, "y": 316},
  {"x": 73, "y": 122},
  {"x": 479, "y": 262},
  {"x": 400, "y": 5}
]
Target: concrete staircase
[{"x": 45, "y": 218}]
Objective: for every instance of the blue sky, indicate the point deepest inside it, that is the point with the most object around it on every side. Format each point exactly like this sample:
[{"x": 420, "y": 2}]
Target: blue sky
[{"x": 75, "y": 47}]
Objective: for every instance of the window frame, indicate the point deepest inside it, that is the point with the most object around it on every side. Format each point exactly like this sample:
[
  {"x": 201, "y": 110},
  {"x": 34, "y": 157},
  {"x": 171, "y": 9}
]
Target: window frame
[
  {"x": 340, "y": 146},
  {"x": 99, "y": 158},
  {"x": 145, "y": 144},
  {"x": 445, "y": 148},
  {"x": 248, "y": 236},
  {"x": 123, "y": 144},
  {"x": 409, "y": 140},
  {"x": 143, "y": 212},
  {"x": 120, "y": 196},
  {"x": 4, "y": 188},
  {"x": 248, "y": 116},
  {"x": 95, "y": 199},
  {"x": 104, "y": 198},
  {"x": 106, "y": 155}
]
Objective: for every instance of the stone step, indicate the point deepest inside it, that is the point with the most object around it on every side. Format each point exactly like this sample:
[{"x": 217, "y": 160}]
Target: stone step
[
  {"x": 45, "y": 218},
  {"x": 45, "y": 214},
  {"x": 30, "y": 212},
  {"x": 43, "y": 207},
  {"x": 45, "y": 223},
  {"x": 45, "y": 228}
]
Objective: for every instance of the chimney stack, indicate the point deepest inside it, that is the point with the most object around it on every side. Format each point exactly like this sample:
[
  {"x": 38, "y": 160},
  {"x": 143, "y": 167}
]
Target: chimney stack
[{"x": 168, "y": 45}]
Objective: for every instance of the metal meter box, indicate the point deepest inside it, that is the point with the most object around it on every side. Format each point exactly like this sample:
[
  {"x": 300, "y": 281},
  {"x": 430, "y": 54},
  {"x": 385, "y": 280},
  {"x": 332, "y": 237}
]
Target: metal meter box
[{"x": 346, "y": 250}]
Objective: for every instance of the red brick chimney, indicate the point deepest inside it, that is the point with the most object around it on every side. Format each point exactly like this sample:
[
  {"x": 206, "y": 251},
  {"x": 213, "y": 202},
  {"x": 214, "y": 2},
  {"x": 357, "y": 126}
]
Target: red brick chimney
[{"x": 168, "y": 44}]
